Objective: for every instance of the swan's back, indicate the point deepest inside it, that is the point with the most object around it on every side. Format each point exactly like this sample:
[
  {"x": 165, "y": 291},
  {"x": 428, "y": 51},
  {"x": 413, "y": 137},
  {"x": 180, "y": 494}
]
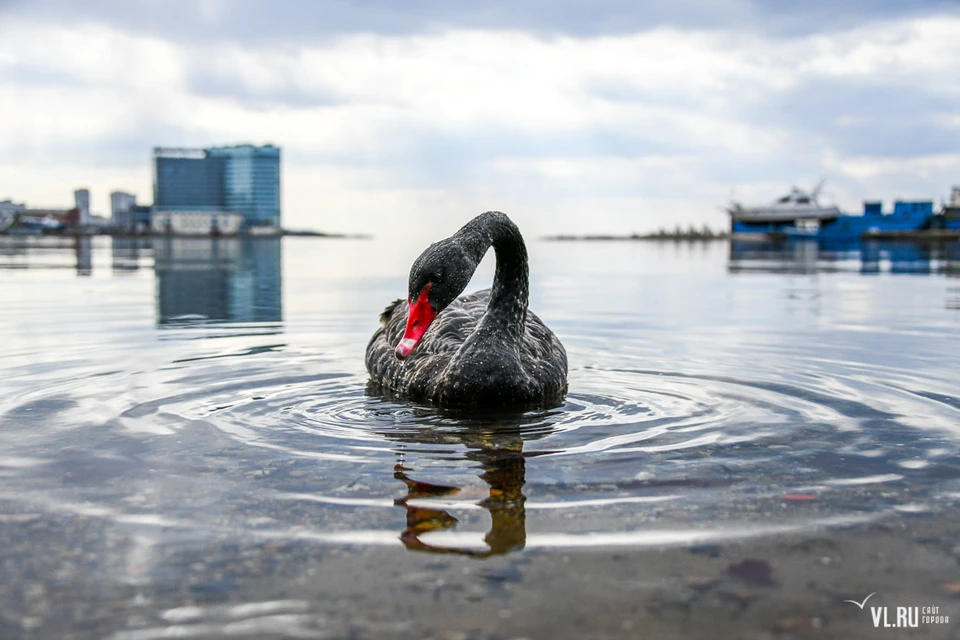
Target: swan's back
[{"x": 433, "y": 373}]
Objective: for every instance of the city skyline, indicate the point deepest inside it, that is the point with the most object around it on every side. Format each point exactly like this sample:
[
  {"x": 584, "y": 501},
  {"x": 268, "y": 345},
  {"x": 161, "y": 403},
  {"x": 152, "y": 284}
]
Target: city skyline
[
  {"x": 625, "y": 118},
  {"x": 241, "y": 179}
]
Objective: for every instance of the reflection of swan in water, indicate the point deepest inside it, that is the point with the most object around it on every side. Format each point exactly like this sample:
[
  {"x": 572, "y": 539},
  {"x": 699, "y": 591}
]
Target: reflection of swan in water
[{"x": 499, "y": 450}]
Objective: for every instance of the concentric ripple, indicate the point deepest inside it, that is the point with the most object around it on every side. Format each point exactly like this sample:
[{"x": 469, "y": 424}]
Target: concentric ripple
[
  {"x": 276, "y": 443},
  {"x": 675, "y": 429},
  {"x": 632, "y": 457}
]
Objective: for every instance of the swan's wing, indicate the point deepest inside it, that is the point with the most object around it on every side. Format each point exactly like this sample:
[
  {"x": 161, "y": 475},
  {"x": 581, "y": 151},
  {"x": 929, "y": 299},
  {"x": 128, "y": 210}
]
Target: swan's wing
[
  {"x": 388, "y": 312},
  {"x": 380, "y": 359},
  {"x": 453, "y": 325},
  {"x": 444, "y": 337},
  {"x": 543, "y": 356}
]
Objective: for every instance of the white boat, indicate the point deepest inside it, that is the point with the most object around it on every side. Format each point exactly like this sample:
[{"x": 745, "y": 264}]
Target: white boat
[{"x": 796, "y": 205}]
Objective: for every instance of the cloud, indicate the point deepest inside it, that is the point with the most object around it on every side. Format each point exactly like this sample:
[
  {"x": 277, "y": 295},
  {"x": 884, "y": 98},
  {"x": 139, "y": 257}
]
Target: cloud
[
  {"x": 619, "y": 130},
  {"x": 281, "y": 22}
]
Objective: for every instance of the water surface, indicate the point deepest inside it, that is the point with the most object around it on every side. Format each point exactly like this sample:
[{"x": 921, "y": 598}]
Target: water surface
[{"x": 180, "y": 391}]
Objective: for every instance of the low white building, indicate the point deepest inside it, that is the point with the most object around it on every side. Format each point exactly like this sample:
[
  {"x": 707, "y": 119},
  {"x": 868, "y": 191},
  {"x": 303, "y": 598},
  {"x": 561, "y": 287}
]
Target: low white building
[
  {"x": 196, "y": 223},
  {"x": 8, "y": 209}
]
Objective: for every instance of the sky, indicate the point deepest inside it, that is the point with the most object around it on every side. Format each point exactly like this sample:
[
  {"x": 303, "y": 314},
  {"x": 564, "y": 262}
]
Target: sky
[{"x": 406, "y": 119}]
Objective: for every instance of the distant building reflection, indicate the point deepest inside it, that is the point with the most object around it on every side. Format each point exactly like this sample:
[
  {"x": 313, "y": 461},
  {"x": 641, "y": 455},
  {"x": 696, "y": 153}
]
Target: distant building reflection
[
  {"x": 865, "y": 256},
  {"x": 84, "y": 250},
  {"x": 220, "y": 279},
  {"x": 126, "y": 253}
]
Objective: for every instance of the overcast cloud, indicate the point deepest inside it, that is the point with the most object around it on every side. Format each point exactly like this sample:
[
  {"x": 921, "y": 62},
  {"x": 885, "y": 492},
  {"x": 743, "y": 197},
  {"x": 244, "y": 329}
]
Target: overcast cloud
[{"x": 394, "y": 117}]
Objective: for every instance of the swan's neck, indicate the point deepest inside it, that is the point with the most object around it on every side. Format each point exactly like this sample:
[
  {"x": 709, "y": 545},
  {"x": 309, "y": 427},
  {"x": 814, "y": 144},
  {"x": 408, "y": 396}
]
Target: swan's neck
[{"x": 507, "y": 309}]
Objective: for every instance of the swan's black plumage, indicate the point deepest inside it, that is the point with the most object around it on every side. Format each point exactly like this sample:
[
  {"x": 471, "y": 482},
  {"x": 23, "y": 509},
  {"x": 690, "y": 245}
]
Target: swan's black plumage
[{"x": 482, "y": 350}]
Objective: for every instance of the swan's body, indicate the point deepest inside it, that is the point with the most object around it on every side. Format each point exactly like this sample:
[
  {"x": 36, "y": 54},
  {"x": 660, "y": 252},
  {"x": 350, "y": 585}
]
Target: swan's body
[{"x": 482, "y": 350}]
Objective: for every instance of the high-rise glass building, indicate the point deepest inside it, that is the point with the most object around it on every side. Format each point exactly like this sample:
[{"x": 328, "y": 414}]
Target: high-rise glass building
[
  {"x": 121, "y": 209},
  {"x": 81, "y": 198},
  {"x": 187, "y": 180},
  {"x": 242, "y": 179},
  {"x": 251, "y": 182}
]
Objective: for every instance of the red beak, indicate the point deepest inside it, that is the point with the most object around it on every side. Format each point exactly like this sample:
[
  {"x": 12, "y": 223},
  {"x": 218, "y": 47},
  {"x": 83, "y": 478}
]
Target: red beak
[{"x": 419, "y": 317}]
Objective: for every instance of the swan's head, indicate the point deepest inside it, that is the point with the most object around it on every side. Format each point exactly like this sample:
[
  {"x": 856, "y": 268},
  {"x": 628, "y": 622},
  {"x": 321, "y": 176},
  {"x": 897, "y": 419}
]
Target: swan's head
[{"x": 437, "y": 277}]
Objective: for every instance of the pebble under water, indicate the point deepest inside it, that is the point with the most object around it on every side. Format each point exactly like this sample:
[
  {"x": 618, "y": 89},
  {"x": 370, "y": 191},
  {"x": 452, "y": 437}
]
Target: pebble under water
[{"x": 192, "y": 390}]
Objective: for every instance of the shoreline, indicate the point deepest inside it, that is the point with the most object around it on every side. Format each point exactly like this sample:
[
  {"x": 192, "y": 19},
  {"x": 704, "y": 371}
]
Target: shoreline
[
  {"x": 795, "y": 586},
  {"x": 926, "y": 235},
  {"x": 634, "y": 237},
  {"x": 120, "y": 234}
]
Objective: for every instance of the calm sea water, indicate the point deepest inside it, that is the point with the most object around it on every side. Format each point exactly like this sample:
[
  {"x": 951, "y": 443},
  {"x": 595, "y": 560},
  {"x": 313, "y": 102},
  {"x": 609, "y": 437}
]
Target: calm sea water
[{"x": 199, "y": 389}]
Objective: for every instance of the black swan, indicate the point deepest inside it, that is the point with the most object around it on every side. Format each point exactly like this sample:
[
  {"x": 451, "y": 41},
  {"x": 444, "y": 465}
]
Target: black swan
[{"x": 484, "y": 350}]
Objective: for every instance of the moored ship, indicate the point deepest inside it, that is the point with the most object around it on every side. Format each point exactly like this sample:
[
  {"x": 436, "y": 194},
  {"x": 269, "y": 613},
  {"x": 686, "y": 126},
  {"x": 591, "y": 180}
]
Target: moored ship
[
  {"x": 800, "y": 215},
  {"x": 796, "y": 205}
]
